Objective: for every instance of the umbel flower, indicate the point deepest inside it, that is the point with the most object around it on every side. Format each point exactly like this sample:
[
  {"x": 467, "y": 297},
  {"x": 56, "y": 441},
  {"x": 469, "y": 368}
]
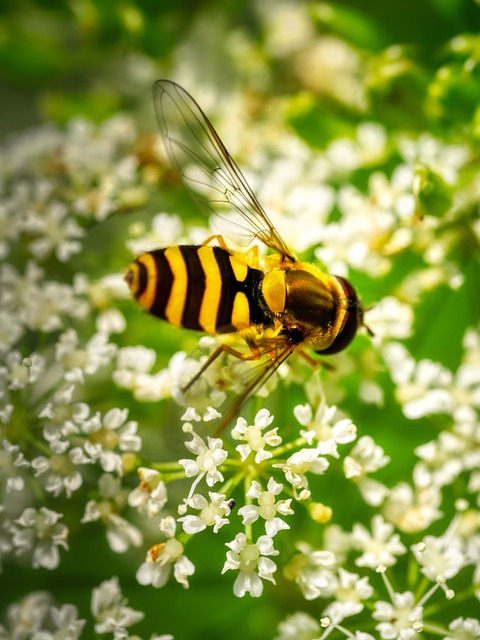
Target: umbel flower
[
  {"x": 252, "y": 562},
  {"x": 161, "y": 557}
]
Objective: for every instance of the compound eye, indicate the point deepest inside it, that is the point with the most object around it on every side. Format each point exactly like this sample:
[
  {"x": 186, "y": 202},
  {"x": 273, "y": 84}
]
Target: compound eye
[
  {"x": 350, "y": 321},
  {"x": 345, "y": 335}
]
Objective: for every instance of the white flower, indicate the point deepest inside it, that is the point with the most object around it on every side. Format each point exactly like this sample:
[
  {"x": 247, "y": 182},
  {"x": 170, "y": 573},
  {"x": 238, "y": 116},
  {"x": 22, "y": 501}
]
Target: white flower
[
  {"x": 166, "y": 230},
  {"x": 61, "y": 416},
  {"x": 6, "y": 531},
  {"x": 365, "y": 457},
  {"x": 338, "y": 541},
  {"x": 349, "y": 593},
  {"x": 10, "y": 329},
  {"x": 412, "y": 510},
  {"x": 467, "y": 429},
  {"x": 20, "y": 372},
  {"x": 6, "y": 413},
  {"x": 209, "y": 413},
  {"x": 380, "y": 547},
  {"x": 298, "y": 465},
  {"x": 39, "y": 532},
  {"x": 28, "y": 616},
  {"x": 298, "y": 626},
  {"x": 255, "y": 440},
  {"x": 63, "y": 623},
  {"x": 390, "y": 319},
  {"x": 59, "y": 470},
  {"x": 441, "y": 460},
  {"x": 320, "y": 429},
  {"x": 78, "y": 359},
  {"x": 109, "y": 433},
  {"x": 212, "y": 513},
  {"x": 12, "y": 461},
  {"x": 103, "y": 294},
  {"x": 56, "y": 231},
  {"x": 121, "y": 534},
  {"x": 360, "y": 237},
  {"x": 463, "y": 629},
  {"x": 399, "y": 619},
  {"x": 286, "y": 29},
  {"x": 150, "y": 496},
  {"x": 251, "y": 560},
  {"x": 313, "y": 571},
  {"x": 427, "y": 387},
  {"x": 443, "y": 158},
  {"x": 180, "y": 373},
  {"x": 441, "y": 558},
  {"x": 35, "y": 303},
  {"x": 132, "y": 371},
  {"x": 110, "y": 611},
  {"x": 162, "y": 556},
  {"x": 267, "y": 507},
  {"x": 209, "y": 456}
]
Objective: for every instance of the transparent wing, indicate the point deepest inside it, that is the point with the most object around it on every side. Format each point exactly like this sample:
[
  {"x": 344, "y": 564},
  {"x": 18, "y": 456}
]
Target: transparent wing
[
  {"x": 198, "y": 154},
  {"x": 254, "y": 377}
]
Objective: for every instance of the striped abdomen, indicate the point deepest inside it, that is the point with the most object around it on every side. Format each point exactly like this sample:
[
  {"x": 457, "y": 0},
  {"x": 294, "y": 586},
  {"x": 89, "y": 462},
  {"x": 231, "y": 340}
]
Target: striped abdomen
[{"x": 198, "y": 287}]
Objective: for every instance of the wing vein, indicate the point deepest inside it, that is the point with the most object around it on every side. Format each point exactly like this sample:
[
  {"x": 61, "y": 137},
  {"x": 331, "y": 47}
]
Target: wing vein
[{"x": 198, "y": 154}]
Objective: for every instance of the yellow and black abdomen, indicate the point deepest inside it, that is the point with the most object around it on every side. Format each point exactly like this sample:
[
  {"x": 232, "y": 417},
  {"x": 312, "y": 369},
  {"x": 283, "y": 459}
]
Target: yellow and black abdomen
[{"x": 198, "y": 287}]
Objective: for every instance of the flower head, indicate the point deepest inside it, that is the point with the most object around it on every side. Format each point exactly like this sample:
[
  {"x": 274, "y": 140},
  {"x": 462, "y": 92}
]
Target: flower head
[
  {"x": 255, "y": 440},
  {"x": 12, "y": 461},
  {"x": 163, "y": 556},
  {"x": 252, "y": 561},
  {"x": 151, "y": 494},
  {"x": 298, "y": 465},
  {"x": 267, "y": 507},
  {"x": 440, "y": 558},
  {"x": 121, "y": 533},
  {"x": 313, "y": 571},
  {"x": 401, "y": 618},
  {"x": 321, "y": 431},
  {"x": 379, "y": 547},
  {"x": 40, "y": 533},
  {"x": 109, "y": 609},
  {"x": 212, "y": 513},
  {"x": 209, "y": 456}
]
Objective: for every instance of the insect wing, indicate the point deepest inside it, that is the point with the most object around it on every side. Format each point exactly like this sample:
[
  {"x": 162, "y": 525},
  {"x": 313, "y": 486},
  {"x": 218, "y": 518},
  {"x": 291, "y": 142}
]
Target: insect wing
[
  {"x": 254, "y": 378},
  {"x": 198, "y": 154}
]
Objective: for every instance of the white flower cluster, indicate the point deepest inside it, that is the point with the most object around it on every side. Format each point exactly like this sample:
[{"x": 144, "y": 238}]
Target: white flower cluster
[
  {"x": 266, "y": 504},
  {"x": 37, "y": 617},
  {"x": 55, "y": 442},
  {"x": 319, "y": 573}
]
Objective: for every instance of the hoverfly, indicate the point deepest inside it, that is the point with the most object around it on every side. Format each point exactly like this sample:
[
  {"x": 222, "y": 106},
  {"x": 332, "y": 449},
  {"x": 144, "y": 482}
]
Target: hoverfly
[{"x": 275, "y": 308}]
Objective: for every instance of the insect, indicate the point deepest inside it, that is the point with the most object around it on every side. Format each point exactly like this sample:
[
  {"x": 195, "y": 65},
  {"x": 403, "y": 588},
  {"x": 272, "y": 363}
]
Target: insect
[{"x": 277, "y": 308}]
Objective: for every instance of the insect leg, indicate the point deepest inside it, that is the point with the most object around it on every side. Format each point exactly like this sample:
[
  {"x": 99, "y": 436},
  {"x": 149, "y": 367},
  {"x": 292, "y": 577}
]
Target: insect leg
[
  {"x": 250, "y": 256},
  {"x": 314, "y": 362},
  {"x": 223, "y": 348},
  {"x": 218, "y": 238},
  {"x": 260, "y": 377}
]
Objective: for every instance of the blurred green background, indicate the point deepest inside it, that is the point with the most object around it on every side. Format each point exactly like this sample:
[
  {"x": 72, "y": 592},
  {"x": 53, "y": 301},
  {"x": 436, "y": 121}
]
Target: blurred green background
[
  {"x": 60, "y": 59},
  {"x": 63, "y": 59}
]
